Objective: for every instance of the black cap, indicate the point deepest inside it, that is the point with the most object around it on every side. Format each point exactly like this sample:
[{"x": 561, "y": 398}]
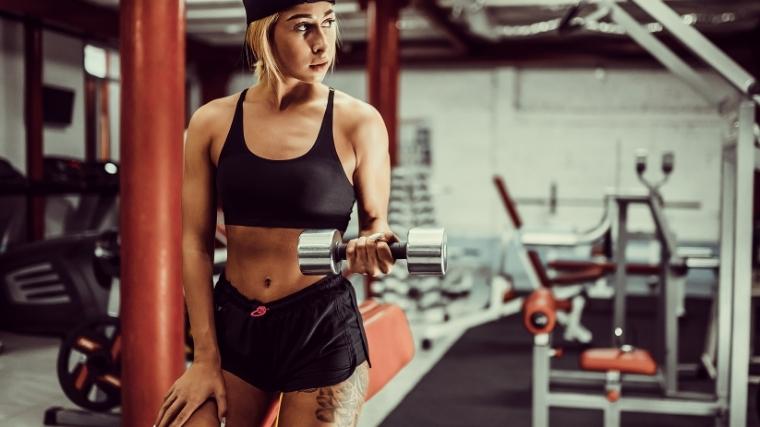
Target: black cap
[{"x": 257, "y": 9}]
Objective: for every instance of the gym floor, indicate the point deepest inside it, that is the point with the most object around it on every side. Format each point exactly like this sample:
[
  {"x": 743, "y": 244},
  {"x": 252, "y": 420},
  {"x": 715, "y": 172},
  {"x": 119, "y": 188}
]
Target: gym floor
[
  {"x": 28, "y": 380},
  {"x": 29, "y": 385},
  {"x": 493, "y": 388},
  {"x": 487, "y": 364}
]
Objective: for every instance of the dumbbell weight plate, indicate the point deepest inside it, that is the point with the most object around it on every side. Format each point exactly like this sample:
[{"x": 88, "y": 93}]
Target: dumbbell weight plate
[
  {"x": 315, "y": 249},
  {"x": 89, "y": 364},
  {"x": 426, "y": 251}
]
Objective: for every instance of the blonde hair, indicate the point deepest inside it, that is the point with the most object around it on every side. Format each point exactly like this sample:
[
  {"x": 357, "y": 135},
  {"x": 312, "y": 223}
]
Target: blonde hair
[{"x": 259, "y": 52}]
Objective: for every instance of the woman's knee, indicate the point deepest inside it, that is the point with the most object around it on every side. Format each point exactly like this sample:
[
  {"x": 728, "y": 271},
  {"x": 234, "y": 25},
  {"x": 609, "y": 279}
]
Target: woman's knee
[
  {"x": 246, "y": 405},
  {"x": 204, "y": 416}
]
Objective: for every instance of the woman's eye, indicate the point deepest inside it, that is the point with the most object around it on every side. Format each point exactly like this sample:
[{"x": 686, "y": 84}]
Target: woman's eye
[{"x": 305, "y": 26}]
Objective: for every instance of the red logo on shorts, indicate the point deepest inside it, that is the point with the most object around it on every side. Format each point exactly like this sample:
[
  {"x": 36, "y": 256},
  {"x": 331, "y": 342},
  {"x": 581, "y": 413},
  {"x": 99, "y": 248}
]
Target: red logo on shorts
[{"x": 260, "y": 311}]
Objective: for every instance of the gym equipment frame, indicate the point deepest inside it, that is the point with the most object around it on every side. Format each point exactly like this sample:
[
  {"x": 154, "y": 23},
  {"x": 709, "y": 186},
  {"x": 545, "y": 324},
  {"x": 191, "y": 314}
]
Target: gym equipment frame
[{"x": 728, "y": 403}]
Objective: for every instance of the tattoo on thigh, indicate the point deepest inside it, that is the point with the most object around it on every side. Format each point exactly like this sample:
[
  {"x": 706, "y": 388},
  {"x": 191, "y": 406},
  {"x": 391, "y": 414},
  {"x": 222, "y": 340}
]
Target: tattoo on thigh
[{"x": 340, "y": 404}]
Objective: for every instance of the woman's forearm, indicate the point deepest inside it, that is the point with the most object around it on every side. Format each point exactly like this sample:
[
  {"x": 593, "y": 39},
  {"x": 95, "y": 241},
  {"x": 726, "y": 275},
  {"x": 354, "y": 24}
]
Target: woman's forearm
[{"x": 197, "y": 273}]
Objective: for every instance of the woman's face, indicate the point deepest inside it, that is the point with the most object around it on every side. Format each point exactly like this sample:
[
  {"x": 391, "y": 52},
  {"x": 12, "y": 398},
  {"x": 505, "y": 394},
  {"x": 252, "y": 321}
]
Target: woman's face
[{"x": 304, "y": 40}]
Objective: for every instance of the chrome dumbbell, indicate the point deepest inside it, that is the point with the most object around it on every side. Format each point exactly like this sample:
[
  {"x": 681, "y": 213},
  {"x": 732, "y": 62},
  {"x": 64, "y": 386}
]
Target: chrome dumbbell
[{"x": 323, "y": 251}]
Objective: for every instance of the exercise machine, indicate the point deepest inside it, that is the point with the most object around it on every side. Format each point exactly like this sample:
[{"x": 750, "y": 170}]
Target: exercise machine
[
  {"x": 51, "y": 286},
  {"x": 728, "y": 403},
  {"x": 503, "y": 300}
]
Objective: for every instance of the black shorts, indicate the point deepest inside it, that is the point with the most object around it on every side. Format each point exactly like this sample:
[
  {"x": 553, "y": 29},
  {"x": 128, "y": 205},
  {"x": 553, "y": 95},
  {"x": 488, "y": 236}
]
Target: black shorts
[{"x": 312, "y": 338}]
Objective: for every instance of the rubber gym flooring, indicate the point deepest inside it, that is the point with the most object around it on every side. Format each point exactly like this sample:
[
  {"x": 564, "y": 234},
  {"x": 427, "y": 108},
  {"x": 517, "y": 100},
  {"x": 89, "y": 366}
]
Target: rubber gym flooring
[{"x": 485, "y": 377}]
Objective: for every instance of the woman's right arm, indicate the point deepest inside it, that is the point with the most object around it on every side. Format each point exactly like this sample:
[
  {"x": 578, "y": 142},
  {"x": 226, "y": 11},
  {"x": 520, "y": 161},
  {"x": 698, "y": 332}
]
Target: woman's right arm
[
  {"x": 198, "y": 226},
  {"x": 204, "y": 377}
]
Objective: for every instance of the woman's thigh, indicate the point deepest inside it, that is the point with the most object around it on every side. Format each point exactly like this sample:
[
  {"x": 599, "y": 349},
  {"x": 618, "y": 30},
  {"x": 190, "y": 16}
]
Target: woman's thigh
[
  {"x": 337, "y": 405},
  {"x": 246, "y": 405}
]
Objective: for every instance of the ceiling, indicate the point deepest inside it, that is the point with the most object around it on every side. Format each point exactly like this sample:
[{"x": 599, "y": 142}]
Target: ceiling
[
  {"x": 468, "y": 28},
  {"x": 222, "y": 22}
]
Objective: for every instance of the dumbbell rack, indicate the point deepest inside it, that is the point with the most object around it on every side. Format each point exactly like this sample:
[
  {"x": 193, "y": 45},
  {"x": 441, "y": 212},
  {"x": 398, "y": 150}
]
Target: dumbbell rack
[{"x": 411, "y": 205}]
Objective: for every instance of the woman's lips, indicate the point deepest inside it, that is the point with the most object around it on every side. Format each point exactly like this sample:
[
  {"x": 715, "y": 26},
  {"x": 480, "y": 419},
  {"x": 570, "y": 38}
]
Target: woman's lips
[{"x": 318, "y": 67}]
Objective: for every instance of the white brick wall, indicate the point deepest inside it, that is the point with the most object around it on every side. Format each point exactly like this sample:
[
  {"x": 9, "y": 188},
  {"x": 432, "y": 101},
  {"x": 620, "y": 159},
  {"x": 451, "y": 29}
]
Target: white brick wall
[
  {"x": 579, "y": 128},
  {"x": 62, "y": 66},
  {"x": 12, "y": 132}
]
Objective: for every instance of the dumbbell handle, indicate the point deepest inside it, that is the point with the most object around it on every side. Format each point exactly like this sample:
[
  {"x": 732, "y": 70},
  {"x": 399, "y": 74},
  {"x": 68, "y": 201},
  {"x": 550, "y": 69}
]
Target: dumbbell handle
[
  {"x": 398, "y": 250},
  {"x": 323, "y": 251}
]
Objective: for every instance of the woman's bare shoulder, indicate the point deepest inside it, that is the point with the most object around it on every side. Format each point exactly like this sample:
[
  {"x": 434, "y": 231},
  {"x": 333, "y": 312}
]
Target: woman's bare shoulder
[
  {"x": 354, "y": 112},
  {"x": 215, "y": 110},
  {"x": 212, "y": 118}
]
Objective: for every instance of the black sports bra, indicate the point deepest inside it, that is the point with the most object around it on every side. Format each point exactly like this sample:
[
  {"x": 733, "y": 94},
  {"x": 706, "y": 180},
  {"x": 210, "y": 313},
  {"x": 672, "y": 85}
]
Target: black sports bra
[{"x": 309, "y": 191}]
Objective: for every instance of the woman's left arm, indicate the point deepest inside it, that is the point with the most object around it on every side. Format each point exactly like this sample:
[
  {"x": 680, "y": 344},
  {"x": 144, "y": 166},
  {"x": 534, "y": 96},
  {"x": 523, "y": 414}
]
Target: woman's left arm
[{"x": 370, "y": 253}]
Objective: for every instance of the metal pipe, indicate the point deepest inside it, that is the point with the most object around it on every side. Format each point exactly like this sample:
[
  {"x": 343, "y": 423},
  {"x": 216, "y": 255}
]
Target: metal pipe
[
  {"x": 742, "y": 264},
  {"x": 636, "y": 404},
  {"x": 621, "y": 242},
  {"x": 662, "y": 53},
  {"x": 701, "y": 46},
  {"x": 724, "y": 295},
  {"x": 663, "y": 230}
]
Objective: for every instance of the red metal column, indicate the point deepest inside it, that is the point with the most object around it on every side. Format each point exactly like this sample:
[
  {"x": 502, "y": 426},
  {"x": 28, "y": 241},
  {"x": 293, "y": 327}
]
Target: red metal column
[
  {"x": 90, "y": 117},
  {"x": 104, "y": 121},
  {"x": 152, "y": 122},
  {"x": 383, "y": 64},
  {"x": 382, "y": 73},
  {"x": 33, "y": 118}
]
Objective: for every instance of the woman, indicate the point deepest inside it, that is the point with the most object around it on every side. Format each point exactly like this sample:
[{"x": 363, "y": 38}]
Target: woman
[{"x": 266, "y": 328}]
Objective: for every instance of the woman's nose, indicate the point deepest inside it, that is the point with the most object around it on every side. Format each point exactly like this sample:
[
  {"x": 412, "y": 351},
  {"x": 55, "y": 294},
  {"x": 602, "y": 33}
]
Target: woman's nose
[{"x": 318, "y": 44}]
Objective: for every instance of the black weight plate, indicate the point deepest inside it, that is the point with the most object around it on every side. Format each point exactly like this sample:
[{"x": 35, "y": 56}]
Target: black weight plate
[{"x": 89, "y": 367}]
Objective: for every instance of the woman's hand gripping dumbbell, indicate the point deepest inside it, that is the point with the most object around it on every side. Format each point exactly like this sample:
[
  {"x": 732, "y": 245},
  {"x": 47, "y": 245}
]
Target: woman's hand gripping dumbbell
[{"x": 323, "y": 251}]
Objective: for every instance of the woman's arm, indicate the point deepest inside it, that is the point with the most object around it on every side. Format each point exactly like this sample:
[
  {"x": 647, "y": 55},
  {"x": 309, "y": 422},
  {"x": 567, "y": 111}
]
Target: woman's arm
[
  {"x": 198, "y": 225},
  {"x": 370, "y": 253},
  {"x": 203, "y": 379},
  {"x": 372, "y": 176}
]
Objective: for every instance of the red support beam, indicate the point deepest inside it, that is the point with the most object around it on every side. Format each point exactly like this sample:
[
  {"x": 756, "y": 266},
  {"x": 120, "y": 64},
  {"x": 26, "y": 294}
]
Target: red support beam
[
  {"x": 104, "y": 121},
  {"x": 383, "y": 64},
  {"x": 90, "y": 21},
  {"x": 382, "y": 72},
  {"x": 152, "y": 123},
  {"x": 90, "y": 118},
  {"x": 33, "y": 120}
]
